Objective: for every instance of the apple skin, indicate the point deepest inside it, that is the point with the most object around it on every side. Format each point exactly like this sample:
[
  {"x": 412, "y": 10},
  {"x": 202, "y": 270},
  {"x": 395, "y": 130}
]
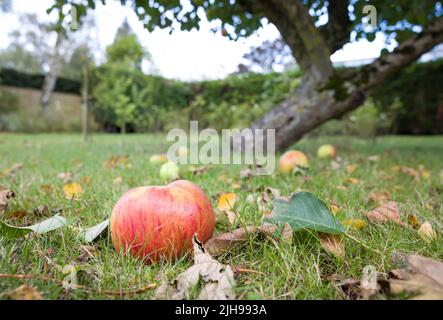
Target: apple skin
[
  {"x": 169, "y": 171},
  {"x": 291, "y": 159},
  {"x": 327, "y": 151},
  {"x": 157, "y": 222}
]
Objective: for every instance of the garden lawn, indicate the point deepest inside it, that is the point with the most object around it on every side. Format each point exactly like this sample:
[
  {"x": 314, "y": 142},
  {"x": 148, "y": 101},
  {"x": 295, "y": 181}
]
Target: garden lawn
[{"x": 297, "y": 270}]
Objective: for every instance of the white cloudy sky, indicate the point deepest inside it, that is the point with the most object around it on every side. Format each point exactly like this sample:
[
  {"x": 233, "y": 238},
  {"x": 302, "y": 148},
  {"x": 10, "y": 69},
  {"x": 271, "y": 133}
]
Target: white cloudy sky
[{"x": 191, "y": 55}]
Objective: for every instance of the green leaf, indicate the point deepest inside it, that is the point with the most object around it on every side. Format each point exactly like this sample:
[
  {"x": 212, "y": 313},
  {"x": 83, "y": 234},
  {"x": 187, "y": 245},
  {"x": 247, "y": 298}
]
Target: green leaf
[
  {"x": 90, "y": 234},
  {"x": 47, "y": 225},
  {"x": 305, "y": 211}
]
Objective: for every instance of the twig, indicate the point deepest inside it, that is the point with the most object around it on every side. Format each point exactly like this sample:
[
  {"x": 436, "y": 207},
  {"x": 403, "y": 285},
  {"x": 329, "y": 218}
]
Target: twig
[
  {"x": 81, "y": 287},
  {"x": 241, "y": 270}
]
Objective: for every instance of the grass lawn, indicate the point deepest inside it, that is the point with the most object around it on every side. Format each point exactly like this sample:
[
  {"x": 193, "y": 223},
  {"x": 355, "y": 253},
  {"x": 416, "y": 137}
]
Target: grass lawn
[{"x": 284, "y": 271}]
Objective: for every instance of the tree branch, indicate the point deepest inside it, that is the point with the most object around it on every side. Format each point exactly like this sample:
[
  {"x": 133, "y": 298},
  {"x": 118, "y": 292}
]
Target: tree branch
[{"x": 338, "y": 29}]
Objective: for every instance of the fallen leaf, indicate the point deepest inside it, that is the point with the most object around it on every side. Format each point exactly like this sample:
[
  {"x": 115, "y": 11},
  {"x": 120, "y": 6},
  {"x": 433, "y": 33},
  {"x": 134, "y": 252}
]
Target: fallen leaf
[
  {"x": 226, "y": 201},
  {"x": 47, "y": 189},
  {"x": 25, "y": 292},
  {"x": 333, "y": 244},
  {"x": 368, "y": 282},
  {"x": 286, "y": 233},
  {"x": 86, "y": 180},
  {"x": 224, "y": 242},
  {"x": 380, "y": 198},
  {"x": 351, "y": 168},
  {"x": 90, "y": 234},
  {"x": 264, "y": 201},
  {"x": 73, "y": 191},
  {"x": 199, "y": 170},
  {"x": 411, "y": 172},
  {"x": 236, "y": 186},
  {"x": 115, "y": 160},
  {"x": 342, "y": 188},
  {"x": 218, "y": 278},
  {"x": 423, "y": 276},
  {"x": 412, "y": 220},
  {"x": 426, "y": 232},
  {"x": 5, "y": 196},
  {"x": 12, "y": 170},
  {"x": 387, "y": 212},
  {"x": 45, "y": 226},
  {"x": 353, "y": 181},
  {"x": 354, "y": 223},
  {"x": 304, "y": 211}
]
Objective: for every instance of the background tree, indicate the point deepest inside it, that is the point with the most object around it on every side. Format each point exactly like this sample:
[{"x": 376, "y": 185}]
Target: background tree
[
  {"x": 314, "y": 30},
  {"x": 117, "y": 93}
]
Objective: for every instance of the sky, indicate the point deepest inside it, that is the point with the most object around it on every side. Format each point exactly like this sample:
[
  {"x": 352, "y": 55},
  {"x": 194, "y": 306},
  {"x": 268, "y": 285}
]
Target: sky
[{"x": 194, "y": 55}]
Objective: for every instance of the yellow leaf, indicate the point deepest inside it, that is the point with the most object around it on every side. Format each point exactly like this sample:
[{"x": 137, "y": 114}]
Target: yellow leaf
[
  {"x": 412, "y": 220},
  {"x": 426, "y": 232},
  {"x": 352, "y": 181},
  {"x": 355, "y": 223},
  {"x": 226, "y": 201},
  {"x": 73, "y": 190}
]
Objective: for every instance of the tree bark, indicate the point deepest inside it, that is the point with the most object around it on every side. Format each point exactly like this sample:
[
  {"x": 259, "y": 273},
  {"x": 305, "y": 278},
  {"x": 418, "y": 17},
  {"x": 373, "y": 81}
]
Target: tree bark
[
  {"x": 316, "y": 101},
  {"x": 51, "y": 76}
]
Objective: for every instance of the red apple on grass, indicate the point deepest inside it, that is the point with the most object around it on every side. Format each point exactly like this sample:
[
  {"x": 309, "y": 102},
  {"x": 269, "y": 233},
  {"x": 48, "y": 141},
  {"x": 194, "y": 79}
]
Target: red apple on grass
[
  {"x": 292, "y": 159},
  {"x": 156, "y": 222}
]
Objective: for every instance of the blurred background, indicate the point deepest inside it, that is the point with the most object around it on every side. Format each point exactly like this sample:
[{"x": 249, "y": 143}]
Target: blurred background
[{"x": 113, "y": 75}]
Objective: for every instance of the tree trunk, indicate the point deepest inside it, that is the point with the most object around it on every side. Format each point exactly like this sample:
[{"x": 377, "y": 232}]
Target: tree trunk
[
  {"x": 51, "y": 76},
  {"x": 317, "y": 101}
]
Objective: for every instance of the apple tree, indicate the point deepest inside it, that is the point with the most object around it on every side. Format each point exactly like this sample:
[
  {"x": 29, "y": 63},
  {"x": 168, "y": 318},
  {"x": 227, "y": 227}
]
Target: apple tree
[{"x": 314, "y": 30}]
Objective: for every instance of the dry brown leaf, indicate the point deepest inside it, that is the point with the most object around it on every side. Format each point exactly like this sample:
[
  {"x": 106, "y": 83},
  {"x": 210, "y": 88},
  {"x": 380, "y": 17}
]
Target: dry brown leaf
[
  {"x": 411, "y": 172},
  {"x": 219, "y": 279},
  {"x": 116, "y": 160},
  {"x": 12, "y": 170},
  {"x": 224, "y": 242},
  {"x": 412, "y": 220},
  {"x": 73, "y": 190},
  {"x": 5, "y": 196},
  {"x": 226, "y": 201},
  {"x": 332, "y": 244},
  {"x": 353, "y": 181},
  {"x": 334, "y": 208},
  {"x": 25, "y": 292},
  {"x": 368, "y": 282},
  {"x": 342, "y": 188},
  {"x": 386, "y": 213},
  {"x": 426, "y": 232},
  {"x": 380, "y": 198},
  {"x": 264, "y": 200},
  {"x": 47, "y": 189},
  {"x": 351, "y": 168},
  {"x": 86, "y": 180},
  {"x": 423, "y": 276},
  {"x": 286, "y": 233}
]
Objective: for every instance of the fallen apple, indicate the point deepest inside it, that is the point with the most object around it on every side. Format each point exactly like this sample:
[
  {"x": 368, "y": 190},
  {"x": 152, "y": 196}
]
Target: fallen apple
[
  {"x": 292, "y": 159},
  {"x": 327, "y": 151},
  {"x": 156, "y": 222},
  {"x": 170, "y": 171},
  {"x": 158, "y": 158}
]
